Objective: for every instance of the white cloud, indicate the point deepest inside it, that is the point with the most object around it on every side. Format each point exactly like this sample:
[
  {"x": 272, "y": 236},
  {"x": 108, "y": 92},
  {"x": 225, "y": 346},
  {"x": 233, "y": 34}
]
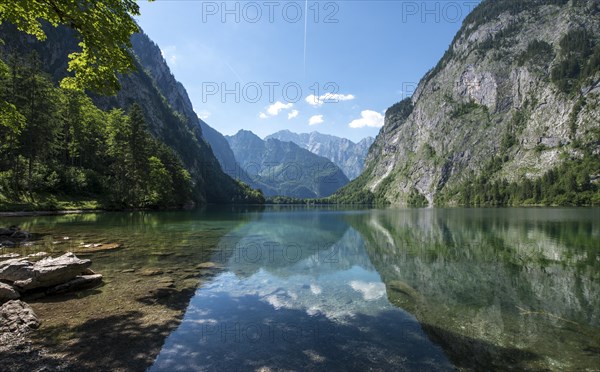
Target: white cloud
[
  {"x": 293, "y": 114},
  {"x": 314, "y": 120},
  {"x": 328, "y": 98},
  {"x": 275, "y": 108},
  {"x": 369, "y": 118},
  {"x": 204, "y": 115},
  {"x": 369, "y": 290},
  {"x": 170, "y": 55}
]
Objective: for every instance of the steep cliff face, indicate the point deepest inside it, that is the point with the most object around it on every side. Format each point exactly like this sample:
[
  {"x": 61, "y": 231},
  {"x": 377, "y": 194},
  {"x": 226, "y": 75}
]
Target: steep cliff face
[
  {"x": 347, "y": 155},
  {"x": 284, "y": 169},
  {"x": 173, "y": 120},
  {"x": 515, "y": 95},
  {"x": 150, "y": 57},
  {"x": 220, "y": 148}
]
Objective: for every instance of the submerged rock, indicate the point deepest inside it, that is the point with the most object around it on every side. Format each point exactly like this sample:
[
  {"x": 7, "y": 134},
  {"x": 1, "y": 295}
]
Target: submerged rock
[
  {"x": 7, "y": 243},
  {"x": 91, "y": 248},
  {"x": 80, "y": 282},
  {"x": 14, "y": 232},
  {"x": 17, "y": 316},
  {"x": 20, "y": 235},
  {"x": 8, "y": 232},
  {"x": 7, "y": 293},
  {"x": 48, "y": 272},
  {"x": 151, "y": 272}
]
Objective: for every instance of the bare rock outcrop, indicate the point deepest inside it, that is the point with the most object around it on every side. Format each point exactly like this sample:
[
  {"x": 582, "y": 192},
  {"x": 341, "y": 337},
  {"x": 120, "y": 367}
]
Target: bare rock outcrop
[
  {"x": 7, "y": 293},
  {"x": 26, "y": 275},
  {"x": 17, "y": 316}
]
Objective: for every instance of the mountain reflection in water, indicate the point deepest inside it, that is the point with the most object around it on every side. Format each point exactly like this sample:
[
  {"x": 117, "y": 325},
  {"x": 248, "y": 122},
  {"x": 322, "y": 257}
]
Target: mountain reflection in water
[{"x": 398, "y": 289}]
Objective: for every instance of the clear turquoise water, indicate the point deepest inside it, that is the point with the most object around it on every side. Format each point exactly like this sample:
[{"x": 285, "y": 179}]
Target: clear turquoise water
[{"x": 394, "y": 289}]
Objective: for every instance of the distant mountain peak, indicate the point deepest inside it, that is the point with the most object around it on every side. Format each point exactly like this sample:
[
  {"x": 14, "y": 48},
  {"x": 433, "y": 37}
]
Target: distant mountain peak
[
  {"x": 282, "y": 168},
  {"x": 344, "y": 153}
]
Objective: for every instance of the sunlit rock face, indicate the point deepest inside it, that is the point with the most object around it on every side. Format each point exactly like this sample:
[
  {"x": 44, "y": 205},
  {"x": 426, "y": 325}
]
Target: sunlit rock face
[{"x": 465, "y": 105}]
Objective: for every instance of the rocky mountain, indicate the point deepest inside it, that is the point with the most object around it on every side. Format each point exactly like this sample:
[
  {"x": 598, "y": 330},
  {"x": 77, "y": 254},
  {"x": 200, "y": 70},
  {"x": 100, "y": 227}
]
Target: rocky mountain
[
  {"x": 347, "y": 155},
  {"x": 164, "y": 102},
  {"x": 284, "y": 169},
  {"x": 220, "y": 147},
  {"x": 510, "y": 115}
]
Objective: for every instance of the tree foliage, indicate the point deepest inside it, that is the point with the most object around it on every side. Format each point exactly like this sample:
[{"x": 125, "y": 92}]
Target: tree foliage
[
  {"x": 104, "y": 28},
  {"x": 567, "y": 184},
  {"x": 59, "y": 143},
  {"x": 579, "y": 60}
]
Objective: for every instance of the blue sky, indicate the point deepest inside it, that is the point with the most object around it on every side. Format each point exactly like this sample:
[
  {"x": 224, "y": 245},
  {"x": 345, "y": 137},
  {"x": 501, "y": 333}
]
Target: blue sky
[{"x": 329, "y": 66}]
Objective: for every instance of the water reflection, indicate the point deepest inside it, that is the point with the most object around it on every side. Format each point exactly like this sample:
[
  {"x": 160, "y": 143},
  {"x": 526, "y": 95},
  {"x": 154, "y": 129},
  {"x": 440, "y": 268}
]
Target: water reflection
[
  {"x": 300, "y": 293},
  {"x": 501, "y": 288},
  {"x": 526, "y": 280}
]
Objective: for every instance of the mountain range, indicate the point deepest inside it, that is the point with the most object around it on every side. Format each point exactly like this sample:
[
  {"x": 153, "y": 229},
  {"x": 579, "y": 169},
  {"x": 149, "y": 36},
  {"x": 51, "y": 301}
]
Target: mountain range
[
  {"x": 347, "y": 155},
  {"x": 281, "y": 168},
  {"x": 510, "y": 115},
  {"x": 343, "y": 153}
]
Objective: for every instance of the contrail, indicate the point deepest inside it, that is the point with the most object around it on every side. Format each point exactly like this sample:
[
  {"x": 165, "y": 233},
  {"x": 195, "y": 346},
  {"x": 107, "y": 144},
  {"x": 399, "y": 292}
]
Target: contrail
[
  {"x": 305, "y": 28},
  {"x": 234, "y": 72}
]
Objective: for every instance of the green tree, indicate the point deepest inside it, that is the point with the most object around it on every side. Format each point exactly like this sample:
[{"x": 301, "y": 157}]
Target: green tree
[
  {"x": 159, "y": 183},
  {"x": 104, "y": 26}
]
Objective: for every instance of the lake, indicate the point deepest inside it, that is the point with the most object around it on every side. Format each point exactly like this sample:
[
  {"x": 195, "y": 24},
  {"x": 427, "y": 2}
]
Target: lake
[{"x": 295, "y": 288}]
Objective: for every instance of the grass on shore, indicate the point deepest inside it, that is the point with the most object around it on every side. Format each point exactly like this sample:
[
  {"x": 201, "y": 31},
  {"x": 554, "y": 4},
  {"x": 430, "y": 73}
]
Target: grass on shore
[{"x": 41, "y": 202}]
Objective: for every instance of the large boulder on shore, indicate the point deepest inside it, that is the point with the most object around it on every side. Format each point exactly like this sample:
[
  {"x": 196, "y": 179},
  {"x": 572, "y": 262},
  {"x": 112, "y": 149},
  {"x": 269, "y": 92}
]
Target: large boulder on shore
[
  {"x": 7, "y": 293},
  {"x": 26, "y": 275},
  {"x": 17, "y": 316}
]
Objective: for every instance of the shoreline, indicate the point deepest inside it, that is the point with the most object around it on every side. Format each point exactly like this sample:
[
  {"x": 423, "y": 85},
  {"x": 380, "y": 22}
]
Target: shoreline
[
  {"x": 10, "y": 214},
  {"x": 49, "y": 213}
]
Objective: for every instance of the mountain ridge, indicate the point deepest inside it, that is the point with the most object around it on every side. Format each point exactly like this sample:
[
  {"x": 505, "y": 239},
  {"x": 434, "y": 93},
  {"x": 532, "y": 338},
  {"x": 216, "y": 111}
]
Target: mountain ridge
[
  {"x": 346, "y": 154},
  {"x": 284, "y": 168}
]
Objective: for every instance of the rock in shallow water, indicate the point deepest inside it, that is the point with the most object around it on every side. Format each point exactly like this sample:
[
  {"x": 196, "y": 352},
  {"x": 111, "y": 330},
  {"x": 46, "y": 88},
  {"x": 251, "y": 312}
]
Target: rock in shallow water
[
  {"x": 8, "y": 244},
  {"x": 93, "y": 248},
  {"x": 80, "y": 282},
  {"x": 26, "y": 275},
  {"x": 151, "y": 272},
  {"x": 7, "y": 293},
  {"x": 17, "y": 316}
]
